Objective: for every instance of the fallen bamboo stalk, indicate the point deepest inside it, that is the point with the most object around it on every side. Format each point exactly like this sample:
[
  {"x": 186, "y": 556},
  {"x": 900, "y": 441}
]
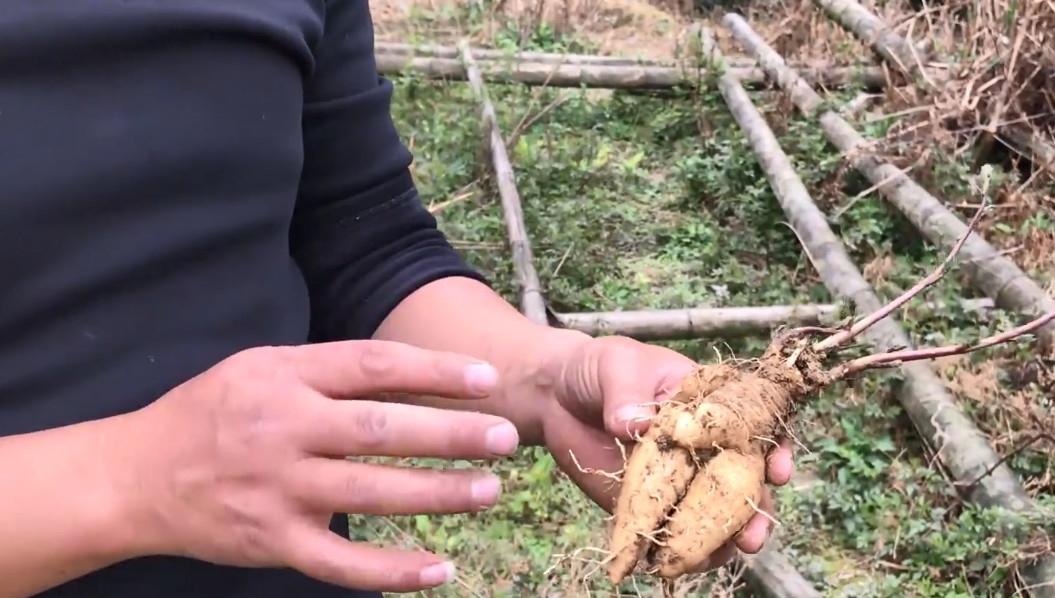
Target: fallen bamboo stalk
[
  {"x": 483, "y": 54},
  {"x": 873, "y": 31},
  {"x": 722, "y": 322},
  {"x": 771, "y": 574},
  {"x": 406, "y": 51},
  {"x": 611, "y": 77},
  {"x": 532, "y": 304},
  {"x": 976, "y": 468},
  {"x": 988, "y": 269},
  {"x": 759, "y": 570}
]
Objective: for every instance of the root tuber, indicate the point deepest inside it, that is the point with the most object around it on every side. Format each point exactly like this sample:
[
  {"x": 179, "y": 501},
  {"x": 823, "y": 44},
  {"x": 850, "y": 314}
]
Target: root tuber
[{"x": 695, "y": 478}]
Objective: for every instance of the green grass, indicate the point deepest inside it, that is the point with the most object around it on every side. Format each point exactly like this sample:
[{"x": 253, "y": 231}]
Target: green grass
[{"x": 635, "y": 202}]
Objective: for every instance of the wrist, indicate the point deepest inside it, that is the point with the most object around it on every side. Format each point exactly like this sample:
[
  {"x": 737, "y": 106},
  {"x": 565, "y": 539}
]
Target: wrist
[
  {"x": 126, "y": 511},
  {"x": 553, "y": 350}
]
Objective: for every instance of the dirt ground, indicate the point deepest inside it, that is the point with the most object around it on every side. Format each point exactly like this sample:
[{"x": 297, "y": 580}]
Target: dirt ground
[{"x": 617, "y": 27}]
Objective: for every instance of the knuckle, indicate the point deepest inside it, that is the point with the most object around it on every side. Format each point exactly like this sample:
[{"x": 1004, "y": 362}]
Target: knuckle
[
  {"x": 355, "y": 484},
  {"x": 377, "y": 360},
  {"x": 242, "y": 397},
  {"x": 257, "y": 364},
  {"x": 370, "y": 427}
]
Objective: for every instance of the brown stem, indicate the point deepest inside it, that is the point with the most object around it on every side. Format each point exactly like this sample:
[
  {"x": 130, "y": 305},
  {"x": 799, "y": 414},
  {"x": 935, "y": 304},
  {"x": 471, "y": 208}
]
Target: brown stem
[
  {"x": 841, "y": 338},
  {"x": 894, "y": 358}
]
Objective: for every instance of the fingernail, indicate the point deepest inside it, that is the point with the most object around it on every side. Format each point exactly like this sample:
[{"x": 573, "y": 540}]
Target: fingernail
[
  {"x": 752, "y": 538},
  {"x": 481, "y": 378},
  {"x": 633, "y": 415},
  {"x": 502, "y": 439},
  {"x": 438, "y": 574},
  {"x": 485, "y": 490}
]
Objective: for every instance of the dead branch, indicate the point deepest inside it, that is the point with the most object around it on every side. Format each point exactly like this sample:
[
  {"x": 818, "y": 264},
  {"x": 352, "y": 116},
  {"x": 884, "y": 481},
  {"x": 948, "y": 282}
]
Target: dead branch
[
  {"x": 1030, "y": 146},
  {"x": 906, "y": 355},
  {"x": 987, "y": 268},
  {"x": 958, "y": 442},
  {"x": 721, "y": 322},
  {"x": 610, "y": 77},
  {"x": 531, "y": 302}
]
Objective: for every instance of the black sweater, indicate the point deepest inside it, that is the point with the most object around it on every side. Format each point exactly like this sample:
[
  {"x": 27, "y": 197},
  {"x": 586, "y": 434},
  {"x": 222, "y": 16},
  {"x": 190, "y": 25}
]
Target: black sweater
[{"x": 181, "y": 180}]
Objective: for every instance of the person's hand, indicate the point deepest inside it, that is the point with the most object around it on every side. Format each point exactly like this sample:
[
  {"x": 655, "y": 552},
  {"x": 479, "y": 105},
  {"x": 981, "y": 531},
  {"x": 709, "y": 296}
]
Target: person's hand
[
  {"x": 245, "y": 464},
  {"x": 607, "y": 388}
]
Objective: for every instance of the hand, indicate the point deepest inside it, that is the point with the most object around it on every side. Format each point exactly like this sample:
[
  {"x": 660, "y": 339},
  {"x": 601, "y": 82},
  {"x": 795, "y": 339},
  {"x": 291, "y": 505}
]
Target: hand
[
  {"x": 608, "y": 387},
  {"x": 244, "y": 465}
]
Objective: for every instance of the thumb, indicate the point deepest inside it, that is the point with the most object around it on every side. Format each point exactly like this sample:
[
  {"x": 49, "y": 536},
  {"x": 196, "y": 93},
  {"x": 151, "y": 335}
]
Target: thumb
[{"x": 634, "y": 378}]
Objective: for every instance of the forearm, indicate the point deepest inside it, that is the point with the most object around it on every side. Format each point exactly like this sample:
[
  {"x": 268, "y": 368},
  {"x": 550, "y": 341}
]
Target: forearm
[
  {"x": 62, "y": 508},
  {"x": 465, "y": 316}
]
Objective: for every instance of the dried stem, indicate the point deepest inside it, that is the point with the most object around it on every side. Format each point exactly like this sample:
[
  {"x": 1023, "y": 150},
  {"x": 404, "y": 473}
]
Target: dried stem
[{"x": 893, "y": 358}]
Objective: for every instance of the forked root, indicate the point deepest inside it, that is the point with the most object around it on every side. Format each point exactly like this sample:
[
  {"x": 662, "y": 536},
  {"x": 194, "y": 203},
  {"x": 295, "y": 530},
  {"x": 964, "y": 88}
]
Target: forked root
[{"x": 696, "y": 477}]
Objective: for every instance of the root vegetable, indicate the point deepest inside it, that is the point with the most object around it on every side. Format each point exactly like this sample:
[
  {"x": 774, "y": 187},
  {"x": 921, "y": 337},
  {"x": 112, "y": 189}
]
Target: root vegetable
[{"x": 695, "y": 478}]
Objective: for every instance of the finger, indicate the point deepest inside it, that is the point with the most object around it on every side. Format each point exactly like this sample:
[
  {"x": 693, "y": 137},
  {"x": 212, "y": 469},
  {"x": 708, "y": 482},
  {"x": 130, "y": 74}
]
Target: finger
[
  {"x": 780, "y": 464},
  {"x": 754, "y": 535},
  {"x": 590, "y": 457},
  {"x": 361, "y": 368},
  {"x": 342, "y": 486},
  {"x": 372, "y": 428},
  {"x": 328, "y": 557}
]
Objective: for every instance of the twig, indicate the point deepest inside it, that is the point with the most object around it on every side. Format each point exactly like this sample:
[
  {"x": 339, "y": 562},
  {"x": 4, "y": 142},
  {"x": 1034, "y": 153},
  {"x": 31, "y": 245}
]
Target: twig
[
  {"x": 531, "y": 302},
  {"x": 905, "y": 355}
]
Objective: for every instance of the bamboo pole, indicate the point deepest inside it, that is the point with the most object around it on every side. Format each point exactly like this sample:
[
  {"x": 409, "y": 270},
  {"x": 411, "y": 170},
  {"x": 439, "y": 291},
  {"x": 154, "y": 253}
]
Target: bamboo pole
[
  {"x": 483, "y": 54},
  {"x": 761, "y": 570},
  {"x": 959, "y": 444},
  {"x": 405, "y": 51},
  {"x": 873, "y": 31},
  {"x": 773, "y": 575},
  {"x": 630, "y": 77},
  {"x": 532, "y": 304},
  {"x": 988, "y": 269},
  {"x": 723, "y": 322}
]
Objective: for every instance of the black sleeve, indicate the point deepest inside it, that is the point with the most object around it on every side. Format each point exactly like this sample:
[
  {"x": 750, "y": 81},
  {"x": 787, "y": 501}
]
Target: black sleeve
[{"x": 360, "y": 233}]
